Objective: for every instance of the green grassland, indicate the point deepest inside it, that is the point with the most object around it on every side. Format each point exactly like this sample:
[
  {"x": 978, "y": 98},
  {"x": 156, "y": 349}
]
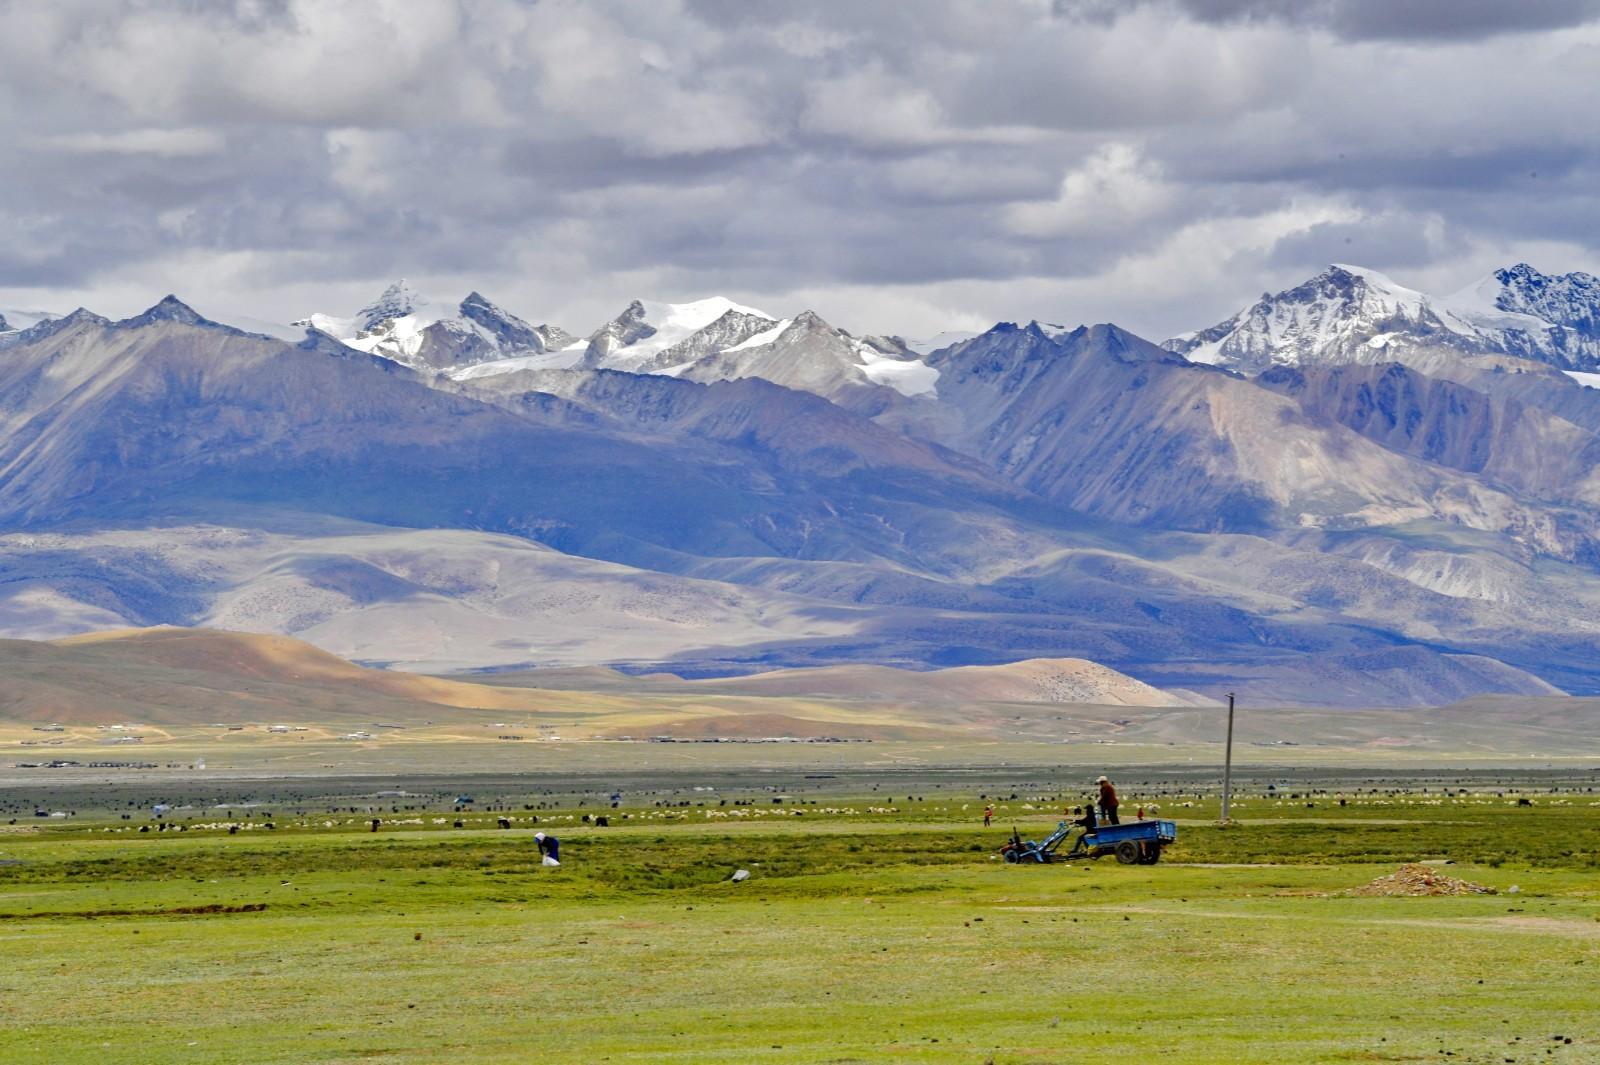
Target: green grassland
[{"x": 870, "y": 930}]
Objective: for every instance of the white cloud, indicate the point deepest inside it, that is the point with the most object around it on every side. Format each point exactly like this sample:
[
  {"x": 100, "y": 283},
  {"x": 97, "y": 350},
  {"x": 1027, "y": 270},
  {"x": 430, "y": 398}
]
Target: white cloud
[
  {"x": 1114, "y": 189},
  {"x": 594, "y": 75},
  {"x": 874, "y": 108},
  {"x": 168, "y": 143},
  {"x": 807, "y": 40},
  {"x": 362, "y": 161},
  {"x": 898, "y": 167}
]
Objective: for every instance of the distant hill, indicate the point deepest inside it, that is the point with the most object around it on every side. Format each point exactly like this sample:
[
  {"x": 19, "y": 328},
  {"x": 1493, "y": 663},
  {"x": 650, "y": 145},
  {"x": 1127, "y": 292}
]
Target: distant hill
[
  {"x": 186, "y": 677},
  {"x": 169, "y": 676},
  {"x": 1038, "y": 680},
  {"x": 179, "y": 683}
]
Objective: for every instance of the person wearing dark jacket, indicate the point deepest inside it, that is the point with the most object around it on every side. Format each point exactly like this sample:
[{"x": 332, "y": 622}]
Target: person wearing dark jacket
[
  {"x": 549, "y": 846},
  {"x": 1084, "y": 820},
  {"x": 1108, "y": 802}
]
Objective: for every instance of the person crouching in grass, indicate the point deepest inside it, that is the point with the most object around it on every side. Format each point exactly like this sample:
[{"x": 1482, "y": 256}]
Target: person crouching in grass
[{"x": 549, "y": 848}]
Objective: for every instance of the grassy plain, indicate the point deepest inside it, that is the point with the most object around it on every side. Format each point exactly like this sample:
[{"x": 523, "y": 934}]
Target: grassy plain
[{"x": 872, "y": 929}]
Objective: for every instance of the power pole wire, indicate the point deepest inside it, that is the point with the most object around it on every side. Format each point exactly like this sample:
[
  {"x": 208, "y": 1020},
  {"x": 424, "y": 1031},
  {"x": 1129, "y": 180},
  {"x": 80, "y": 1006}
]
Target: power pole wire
[{"x": 1227, "y": 765}]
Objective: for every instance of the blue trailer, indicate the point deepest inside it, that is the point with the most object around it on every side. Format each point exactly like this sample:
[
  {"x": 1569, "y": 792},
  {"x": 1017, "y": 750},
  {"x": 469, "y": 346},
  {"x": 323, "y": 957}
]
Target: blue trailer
[{"x": 1135, "y": 843}]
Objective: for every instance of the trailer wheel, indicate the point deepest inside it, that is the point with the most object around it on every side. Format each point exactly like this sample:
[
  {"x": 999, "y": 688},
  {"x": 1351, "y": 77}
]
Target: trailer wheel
[
  {"x": 1127, "y": 852},
  {"x": 1151, "y": 855}
]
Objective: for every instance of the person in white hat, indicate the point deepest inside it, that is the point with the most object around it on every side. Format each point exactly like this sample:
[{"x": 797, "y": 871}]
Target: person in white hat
[
  {"x": 549, "y": 848},
  {"x": 1108, "y": 802}
]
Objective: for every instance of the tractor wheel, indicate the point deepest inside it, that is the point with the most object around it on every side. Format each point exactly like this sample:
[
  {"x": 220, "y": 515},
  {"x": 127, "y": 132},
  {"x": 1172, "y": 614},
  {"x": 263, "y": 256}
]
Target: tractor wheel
[
  {"x": 1127, "y": 852},
  {"x": 1012, "y": 858}
]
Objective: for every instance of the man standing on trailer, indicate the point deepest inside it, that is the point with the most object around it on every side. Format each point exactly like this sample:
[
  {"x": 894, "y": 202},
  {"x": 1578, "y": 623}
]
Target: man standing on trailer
[{"x": 1108, "y": 802}]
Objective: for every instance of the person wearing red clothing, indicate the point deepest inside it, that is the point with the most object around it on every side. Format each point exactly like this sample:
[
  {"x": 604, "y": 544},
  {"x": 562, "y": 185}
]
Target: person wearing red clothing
[{"x": 1108, "y": 802}]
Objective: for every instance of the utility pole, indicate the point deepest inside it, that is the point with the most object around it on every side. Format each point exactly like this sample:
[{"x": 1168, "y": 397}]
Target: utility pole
[{"x": 1227, "y": 765}]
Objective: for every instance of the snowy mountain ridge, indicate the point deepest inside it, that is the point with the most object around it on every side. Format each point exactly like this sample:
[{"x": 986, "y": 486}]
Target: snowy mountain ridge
[
  {"x": 1571, "y": 300},
  {"x": 807, "y": 353},
  {"x": 1346, "y": 314},
  {"x": 1350, "y": 314},
  {"x": 715, "y": 339},
  {"x": 636, "y": 340},
  {"x": 13, "y": 320},
  {"x": 428, "y": 335}
]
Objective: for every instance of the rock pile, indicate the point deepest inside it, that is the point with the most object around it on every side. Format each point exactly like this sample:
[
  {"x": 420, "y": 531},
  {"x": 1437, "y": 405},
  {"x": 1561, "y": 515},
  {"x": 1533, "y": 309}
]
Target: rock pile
[{"x": 1417, "y": 880}]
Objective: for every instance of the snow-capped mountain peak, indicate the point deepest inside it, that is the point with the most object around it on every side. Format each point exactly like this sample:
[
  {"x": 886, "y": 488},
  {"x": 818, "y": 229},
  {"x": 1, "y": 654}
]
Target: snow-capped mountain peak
[
  {"x": 1569, "y": 300},
  {"x": 809, "y": 354},
  {"x": 639, "y": 339},
  {"x": 401, "y": 300},
  {"x": 12, "y": 320},
  {"x": 509, "y": 332},
  {"x": 168, "y": 309},
  {"x": 391, "y": 325},
  {"x": 763, "y": 338},
  {"x": 1351, "y": 314},
  {"x": 428, "y": 335},
  {"x": 49, "y": 325}
]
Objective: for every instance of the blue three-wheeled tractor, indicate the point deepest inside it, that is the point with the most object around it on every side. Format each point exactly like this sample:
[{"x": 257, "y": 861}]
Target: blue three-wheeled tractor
[{"x": 1135, "y": 843}]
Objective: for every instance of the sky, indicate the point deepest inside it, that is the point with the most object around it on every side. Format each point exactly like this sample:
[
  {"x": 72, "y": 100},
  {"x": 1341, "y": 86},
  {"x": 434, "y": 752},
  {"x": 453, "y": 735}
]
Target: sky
[{"x": 896, "y": 167}]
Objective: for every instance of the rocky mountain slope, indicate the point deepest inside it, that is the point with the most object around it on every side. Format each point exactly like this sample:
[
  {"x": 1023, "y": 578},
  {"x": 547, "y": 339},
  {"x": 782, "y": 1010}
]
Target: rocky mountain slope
[
  {"x": 717, "y": 340},
  {"x": 1531, "y": 451},
  {"x": 808, "y": 354},
  {"x": 704, "y": 488},
  {"x": 1108, "y": 424},
  {"x": 429, "y": 599}
]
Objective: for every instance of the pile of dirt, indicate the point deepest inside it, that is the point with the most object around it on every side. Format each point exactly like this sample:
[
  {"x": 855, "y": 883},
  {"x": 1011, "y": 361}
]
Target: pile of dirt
[{"x": 1418, "y": 880}]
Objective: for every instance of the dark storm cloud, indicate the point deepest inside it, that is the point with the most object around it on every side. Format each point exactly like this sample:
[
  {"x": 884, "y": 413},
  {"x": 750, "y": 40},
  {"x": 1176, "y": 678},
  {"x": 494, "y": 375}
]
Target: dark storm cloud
[
  {"x": 1400, "y": 241},
  {"x": 896, "y": 166}
]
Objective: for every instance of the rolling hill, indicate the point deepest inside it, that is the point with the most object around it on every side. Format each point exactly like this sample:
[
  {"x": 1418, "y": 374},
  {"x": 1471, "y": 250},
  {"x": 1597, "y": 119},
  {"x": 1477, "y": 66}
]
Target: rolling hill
[
  {"x": 173, "y": 678},
  {"x": 187, "y": 690}
]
